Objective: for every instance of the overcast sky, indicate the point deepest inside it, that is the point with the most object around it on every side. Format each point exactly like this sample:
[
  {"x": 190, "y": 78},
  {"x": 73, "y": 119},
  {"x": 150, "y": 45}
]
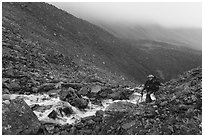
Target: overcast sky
[{"x": 177, "y": 14}]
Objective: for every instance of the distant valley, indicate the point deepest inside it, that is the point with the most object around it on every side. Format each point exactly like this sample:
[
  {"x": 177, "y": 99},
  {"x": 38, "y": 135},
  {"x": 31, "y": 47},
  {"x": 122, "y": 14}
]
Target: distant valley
[{"x": 188, "y": 37}]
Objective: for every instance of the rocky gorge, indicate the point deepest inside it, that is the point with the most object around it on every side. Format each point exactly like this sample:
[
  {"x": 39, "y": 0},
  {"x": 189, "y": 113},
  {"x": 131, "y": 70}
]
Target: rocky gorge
[
  {"x": 46, "y": 92},
  {"x": 64, "y": 108}
]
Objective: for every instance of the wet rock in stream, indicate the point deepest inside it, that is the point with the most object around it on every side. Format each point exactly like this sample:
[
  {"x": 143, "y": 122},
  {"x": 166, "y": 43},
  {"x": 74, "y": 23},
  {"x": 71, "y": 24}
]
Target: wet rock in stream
[{"x": 70, "y": 95}]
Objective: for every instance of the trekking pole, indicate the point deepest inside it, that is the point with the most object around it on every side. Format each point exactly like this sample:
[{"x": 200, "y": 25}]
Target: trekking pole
[
  {"x": 141, "y": 95},
  {"x": 141, "y": 98}
]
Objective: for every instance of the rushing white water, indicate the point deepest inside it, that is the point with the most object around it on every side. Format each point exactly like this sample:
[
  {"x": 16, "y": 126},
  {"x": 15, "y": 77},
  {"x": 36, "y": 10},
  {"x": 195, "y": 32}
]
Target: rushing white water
[{"x": 49, "y": 104}]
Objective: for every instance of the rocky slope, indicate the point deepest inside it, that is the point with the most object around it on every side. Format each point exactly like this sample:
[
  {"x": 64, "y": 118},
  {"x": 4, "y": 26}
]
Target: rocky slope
[
  {"x": 51, "y": 91},
  {"x": 29, "y": 68},
  {"x": 85, "y": 42},
  {"x": 177, "y": 110}
]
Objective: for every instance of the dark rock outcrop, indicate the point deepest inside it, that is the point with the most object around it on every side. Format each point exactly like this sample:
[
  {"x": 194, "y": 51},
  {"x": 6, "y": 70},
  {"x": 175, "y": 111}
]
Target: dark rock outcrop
[
  {"x": 45, "y": 87},
  {"x": 18, "y": 118},
  {"x": 120, "y": 94},
  {"x": 70, "y": 95}
]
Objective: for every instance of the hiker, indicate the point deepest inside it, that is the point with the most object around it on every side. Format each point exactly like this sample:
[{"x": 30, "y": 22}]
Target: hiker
[{"x": 151, "y": 86}]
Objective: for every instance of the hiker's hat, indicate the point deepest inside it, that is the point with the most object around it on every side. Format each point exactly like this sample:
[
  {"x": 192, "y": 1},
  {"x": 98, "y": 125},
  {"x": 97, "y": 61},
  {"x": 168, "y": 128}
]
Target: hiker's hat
[{"x": 150, "y": 76}]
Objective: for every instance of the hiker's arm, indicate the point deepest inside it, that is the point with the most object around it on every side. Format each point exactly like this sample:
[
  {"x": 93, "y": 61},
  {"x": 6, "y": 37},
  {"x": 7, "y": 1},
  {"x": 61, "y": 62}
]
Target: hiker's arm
[
  {"x": 161, "y": 84},
  {"x": 143, "y": 90}
]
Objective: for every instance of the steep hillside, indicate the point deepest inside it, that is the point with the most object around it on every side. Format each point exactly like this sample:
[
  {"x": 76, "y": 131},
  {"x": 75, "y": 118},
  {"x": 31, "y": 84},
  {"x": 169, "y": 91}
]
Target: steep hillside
[
  {"x": 64, "y": 76},
  {"x": 176, "y": 111},
  {"x": 27, "y": 64},
  {"x": 86, "y": 43}
]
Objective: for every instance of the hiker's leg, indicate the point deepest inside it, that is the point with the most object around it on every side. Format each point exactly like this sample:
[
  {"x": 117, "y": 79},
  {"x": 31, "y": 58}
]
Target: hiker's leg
[
  {"x": 153, "y": 94},
  {"x": 148, "y": 98}
]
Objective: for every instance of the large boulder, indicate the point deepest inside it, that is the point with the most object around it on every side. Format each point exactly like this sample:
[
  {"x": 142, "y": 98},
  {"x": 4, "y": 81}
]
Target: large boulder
[
  {"x": 70, "y": 95},
  {"x": 14, "y": 86},
  {"x": 60, "y": 112},
  {"x": 84, "y": 91},
  {"x": 5, "y": 91},
  {"x": 95, "y": 89},
  {"x": 18, "y": 118},
  {"x": 105, "y": 92},
  {"x": 80, "y": 103},
  {"x": 121, "y": 107},
  {"x": 66, "y": 94},
  {"x": 12, "y": 73},
  {"x": 46, "y": 87},
  {"x": 116, "y": 96},
  {"x": 121, "y": 94},
  {"x": 72, "y": 85}
]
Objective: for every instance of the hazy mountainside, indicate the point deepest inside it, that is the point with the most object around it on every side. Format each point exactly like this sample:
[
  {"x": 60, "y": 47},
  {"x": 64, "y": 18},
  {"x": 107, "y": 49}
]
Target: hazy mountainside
[
  {"x": 54, "y": 81},
  {"x": 86, "y": 43},
  {"x": 189, "y": 37}
]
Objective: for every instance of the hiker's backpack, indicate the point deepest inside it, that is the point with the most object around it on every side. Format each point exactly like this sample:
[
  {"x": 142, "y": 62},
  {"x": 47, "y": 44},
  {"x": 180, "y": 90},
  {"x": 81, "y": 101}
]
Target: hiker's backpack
[{"x": 152, "y": 85}]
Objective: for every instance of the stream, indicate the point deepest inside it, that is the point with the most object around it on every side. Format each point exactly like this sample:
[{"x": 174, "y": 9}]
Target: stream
[{"x": 46, "y": 104}]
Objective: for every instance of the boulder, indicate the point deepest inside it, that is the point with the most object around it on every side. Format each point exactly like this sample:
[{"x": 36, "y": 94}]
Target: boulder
[
  {"x": 84, "y": 91},
  {"x": 95, "y": 89},
  {"x": 99, "y": 113},
  {"x": 70, "y": 96},
  {"x": 93, "y": 79},
  {"x": 6, "y": 96},
  {"x": 72, "y": 85},
  {"x": 12, "y": 73},
  {"x": 53, "y": 114},
  {"x": 121, "y": 107},
  {"x": 88, "y": 121},
  {"x": 99, "y": 116},
  {"x": 65, "y": 94},
  {"x": 50, "y": 127},
  {"x": 80, "y": 103},
  {"x": 86, "y": 132},
  {"x": 104, "y": 93},
  {"x": 46, "y": 87},
  {"x": 19, "y": 119},
  {"x": 121, "y": 94},
  {"x": 54, "y": 92},
  {"x": 9, "y": 73},
  {"x": 60, "y": 112},
  {"x": 67, "y": 110},
  {"x": 14, "y": 86},
  {"x": 5, "y": 82},
  {"x": 39, "y": 108},
  {"x": 128, "y": 125},
  {"x": 116, "y": 96},
  {"x": 81, "y": 124}
]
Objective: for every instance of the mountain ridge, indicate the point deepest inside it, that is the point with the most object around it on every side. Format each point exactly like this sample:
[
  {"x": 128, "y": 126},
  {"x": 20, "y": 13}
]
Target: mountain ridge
[{"x": 187, "y": 36}]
